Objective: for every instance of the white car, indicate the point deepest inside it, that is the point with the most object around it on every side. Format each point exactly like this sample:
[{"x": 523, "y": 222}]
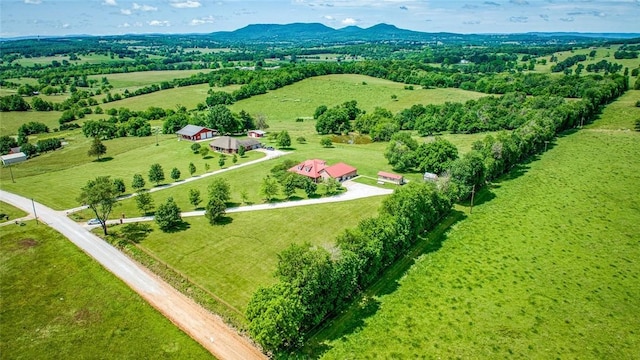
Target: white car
[{"x": 94, "y": 222}]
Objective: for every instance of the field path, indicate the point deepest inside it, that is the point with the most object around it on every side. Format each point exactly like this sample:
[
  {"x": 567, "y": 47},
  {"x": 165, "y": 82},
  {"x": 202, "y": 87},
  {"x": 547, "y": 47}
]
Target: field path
[
  {"x": 354, "y": 191},
  {"x": 270, "y": 154},
  {"x": 207, "y": 329}
]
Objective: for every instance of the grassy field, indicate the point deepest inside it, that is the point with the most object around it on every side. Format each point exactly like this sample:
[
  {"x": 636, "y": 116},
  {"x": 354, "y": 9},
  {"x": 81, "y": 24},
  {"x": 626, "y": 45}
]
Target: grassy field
[
  {"x": 11, "y": 211},
  {"x": 142, "y": 78},
  {"x": 234, "y": 259},
  {"x": 56, "y": 178},
  {"x": 546, "y": 269},
  {"x": 284, "y": 105},
  {"x": 84, "y": 59},
  {"x": 58, "y": 303},
  {"x": 602, "y": 53}
]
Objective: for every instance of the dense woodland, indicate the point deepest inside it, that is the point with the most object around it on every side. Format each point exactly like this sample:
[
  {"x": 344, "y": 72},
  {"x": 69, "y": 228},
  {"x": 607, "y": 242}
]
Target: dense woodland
[{"x": 528, "y": 108}]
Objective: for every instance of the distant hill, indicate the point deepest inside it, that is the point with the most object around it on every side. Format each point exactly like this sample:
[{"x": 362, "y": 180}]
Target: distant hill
[{"x": 319, "y": 33}]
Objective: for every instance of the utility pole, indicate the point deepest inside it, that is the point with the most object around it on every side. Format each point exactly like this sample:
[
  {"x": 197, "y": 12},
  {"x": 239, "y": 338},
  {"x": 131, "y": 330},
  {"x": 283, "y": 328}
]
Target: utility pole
[
  {"x": 546, "y": 142},
  {"x": 11, "y": 172},
  {"x": 473, "y": 193},
  {"x": 34, "y": 210}
]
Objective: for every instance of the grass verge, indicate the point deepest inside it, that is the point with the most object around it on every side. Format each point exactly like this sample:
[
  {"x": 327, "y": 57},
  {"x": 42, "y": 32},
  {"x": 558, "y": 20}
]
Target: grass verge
[{"x": 58, "y": 303}]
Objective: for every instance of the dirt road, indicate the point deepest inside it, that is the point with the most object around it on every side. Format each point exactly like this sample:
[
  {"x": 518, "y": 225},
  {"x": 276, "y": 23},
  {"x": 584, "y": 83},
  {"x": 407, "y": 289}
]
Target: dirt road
[{"x": 207, "y": 329}]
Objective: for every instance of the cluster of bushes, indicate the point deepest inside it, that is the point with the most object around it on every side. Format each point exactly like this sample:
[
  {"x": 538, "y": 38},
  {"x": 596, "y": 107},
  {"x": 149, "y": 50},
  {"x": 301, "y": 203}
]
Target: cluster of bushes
[
  {"x": 314, "y": 282},
  {"x": 568, "y": 62},
  {"x": 13, "y": 102}
]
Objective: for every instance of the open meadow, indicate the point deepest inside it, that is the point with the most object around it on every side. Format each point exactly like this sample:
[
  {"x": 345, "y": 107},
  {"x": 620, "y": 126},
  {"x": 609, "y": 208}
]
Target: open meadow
[
  {"x": 11, "y": 211},
  {"x": 545, "y": 267},
  {"x": 234, "y": 259},
  {"x": 59, "y": 303},
  {"x": 283, "y": 106}
]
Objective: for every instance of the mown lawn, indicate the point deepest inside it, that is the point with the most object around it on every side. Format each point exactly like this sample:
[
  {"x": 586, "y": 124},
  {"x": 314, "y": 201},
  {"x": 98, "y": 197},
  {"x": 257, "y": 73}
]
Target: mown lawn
[
  {"x": 57, "y": 303},
  {"x": 55, "y": 178},
  {"x": 545, "y": 267},
  {"x": 11, "y": 211},
  {"x": 234, "y": 259}
]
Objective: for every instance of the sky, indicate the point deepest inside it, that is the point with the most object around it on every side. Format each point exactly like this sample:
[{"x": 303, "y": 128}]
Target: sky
[{"x": 113, "y": 17}]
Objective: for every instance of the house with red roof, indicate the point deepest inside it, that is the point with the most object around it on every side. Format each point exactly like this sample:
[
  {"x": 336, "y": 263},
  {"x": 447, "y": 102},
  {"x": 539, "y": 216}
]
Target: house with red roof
[
  {"x": 318, "y": 170},
  {"x": 339, "y": 171}
]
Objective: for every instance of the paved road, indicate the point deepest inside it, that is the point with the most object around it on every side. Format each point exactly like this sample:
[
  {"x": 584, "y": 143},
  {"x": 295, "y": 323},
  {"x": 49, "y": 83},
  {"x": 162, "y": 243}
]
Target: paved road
[{"x": 208, "y": 329}]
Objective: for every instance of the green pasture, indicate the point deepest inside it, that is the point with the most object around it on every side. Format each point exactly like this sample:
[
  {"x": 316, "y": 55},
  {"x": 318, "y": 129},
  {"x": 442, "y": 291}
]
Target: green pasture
[
  {"x": 10, "y": 121},
  {"x": 545, "y": 267},
  {"x": 620, "y": 115},
  {"x": 84, "y": 59},
  {"x": 142, "y": 78},
  {"x": 188, "y": 96},
  {"x": 55, "y": 178},
  {"x": 10, "y": 211},
  {"x": 234, "y": 259},
  {"x": 284, "y": 105},
  {"x": 59, "y": 303},
  {"x": 602, "y": 53}
]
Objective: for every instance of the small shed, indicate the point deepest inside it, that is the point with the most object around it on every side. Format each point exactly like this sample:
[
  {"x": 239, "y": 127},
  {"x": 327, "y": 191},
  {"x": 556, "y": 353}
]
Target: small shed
[
  {"x": 256, "y": 133},
  {"x": 430, "y": 177},
  {"x": 195, "y": 133},
  {"x": 390, "y": 177},
  {"x": 13, "y": 158}
]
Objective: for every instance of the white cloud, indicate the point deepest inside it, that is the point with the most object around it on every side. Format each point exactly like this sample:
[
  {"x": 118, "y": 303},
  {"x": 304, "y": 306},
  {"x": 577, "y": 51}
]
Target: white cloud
[
  {"x": 33, "y": 2},
  {"x": 329, "y": 17},
  {"x": 137, "y": 6},
  {"x": 127, "y": 25},
  {"x": 125, "y": 11},
  {"x": 186, "y": 4},
  {"x": 110, "y": 2},
  {"x": 203, "y": 20},
  {"x": 159, "y": 23},
  {"x": 66, "y": 26},
  {"x": 349, "y": 21}
]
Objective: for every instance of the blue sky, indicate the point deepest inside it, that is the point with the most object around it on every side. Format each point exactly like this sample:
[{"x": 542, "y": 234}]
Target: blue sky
[{"x": 102, "y": 17}]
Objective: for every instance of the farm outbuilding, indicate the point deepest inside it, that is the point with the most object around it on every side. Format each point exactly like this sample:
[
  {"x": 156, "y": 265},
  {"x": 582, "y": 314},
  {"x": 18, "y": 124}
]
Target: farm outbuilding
[
  {"x": 390, "y": 177},
  {"x": 430, "y": 177},
  {"x": 230, "y": 145},
  {"x": 13, "y": 158},
  {"x": 195, "y": 133},
  {"x": 256, "y": 133}
]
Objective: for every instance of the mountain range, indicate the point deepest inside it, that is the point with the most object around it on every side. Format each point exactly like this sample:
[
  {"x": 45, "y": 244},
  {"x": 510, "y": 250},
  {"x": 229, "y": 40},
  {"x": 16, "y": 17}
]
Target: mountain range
[{"x": 319, "y": 33}]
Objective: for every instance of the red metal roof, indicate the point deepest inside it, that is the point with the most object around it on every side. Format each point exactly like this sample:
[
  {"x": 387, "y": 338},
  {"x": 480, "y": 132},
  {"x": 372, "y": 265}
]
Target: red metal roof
[
  {"x": 339, "y": 170},
  {"x": 310, "y": 168},
  {"x": 389, "y": 175}
]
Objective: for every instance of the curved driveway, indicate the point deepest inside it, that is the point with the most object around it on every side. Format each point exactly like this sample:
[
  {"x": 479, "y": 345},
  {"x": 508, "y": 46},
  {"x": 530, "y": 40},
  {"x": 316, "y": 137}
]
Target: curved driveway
[{"x": 208, "y": 329}]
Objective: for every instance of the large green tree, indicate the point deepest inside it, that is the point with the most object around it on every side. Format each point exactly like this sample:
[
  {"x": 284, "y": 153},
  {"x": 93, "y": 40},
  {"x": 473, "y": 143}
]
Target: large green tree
[
  {"x": 144, "y": 202},
  {"x": 215, "y": 210},
  {"x": 97, "y": 148},
  {"x": 284, "y": 140},
  {"x": 436, "y": 156},
  {"x": 222, "y": 119},
  {"x": 220, "y": 188},
  {"x": 138, "y": 182},
  {"x": 156, "y": 173},
  {"x": 168, "y": 215},
  {"x": 333, "y": 121},
  {"x": 401, "y": 151},
  {"x": 100, "y": 195}
]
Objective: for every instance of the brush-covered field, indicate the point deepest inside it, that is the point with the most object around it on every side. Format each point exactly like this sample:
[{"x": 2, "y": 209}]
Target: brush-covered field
[
  {"x": 548, "y": 268},
  {"x": 57, "y": 303}
]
